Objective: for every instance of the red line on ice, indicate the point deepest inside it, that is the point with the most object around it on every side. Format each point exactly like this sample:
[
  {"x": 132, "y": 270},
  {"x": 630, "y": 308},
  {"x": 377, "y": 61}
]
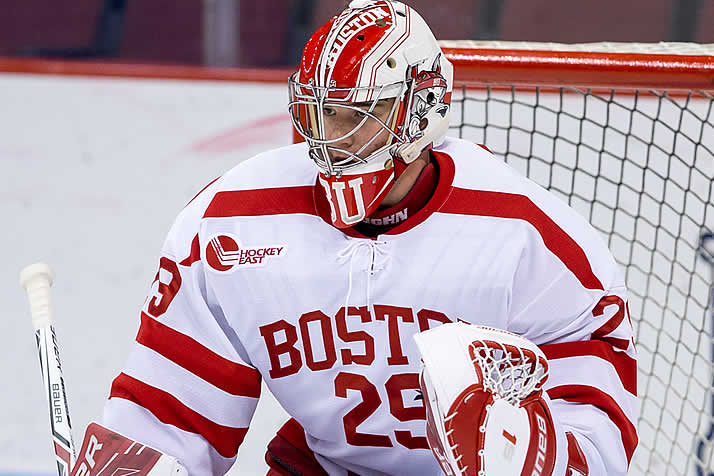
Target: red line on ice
[{"x": 245, "y": 135}]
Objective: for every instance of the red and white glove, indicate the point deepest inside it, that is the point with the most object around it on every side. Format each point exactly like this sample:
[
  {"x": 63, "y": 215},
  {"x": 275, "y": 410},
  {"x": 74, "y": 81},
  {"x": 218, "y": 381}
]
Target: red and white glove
[
  {"x": 486, "y": 411},
  {"x": 107, "y": 452}
]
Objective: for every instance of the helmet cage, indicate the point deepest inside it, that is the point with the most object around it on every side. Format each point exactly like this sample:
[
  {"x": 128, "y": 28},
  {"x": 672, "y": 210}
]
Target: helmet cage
[{"x": 307, "y": 103}]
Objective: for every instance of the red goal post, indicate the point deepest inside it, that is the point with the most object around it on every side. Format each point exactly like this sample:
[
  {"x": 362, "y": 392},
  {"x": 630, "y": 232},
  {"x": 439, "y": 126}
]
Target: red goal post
[
  {"x": 625, "y": 134},
  {"x": 629, "y": 66}
]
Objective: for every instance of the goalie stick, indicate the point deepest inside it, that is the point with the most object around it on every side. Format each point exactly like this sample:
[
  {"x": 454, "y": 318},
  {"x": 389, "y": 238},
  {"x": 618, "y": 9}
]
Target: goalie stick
[
  {"x": 103, "y": 450},
  {"x": 706, "y": 251},
  {"x": 37, "y": 279}
]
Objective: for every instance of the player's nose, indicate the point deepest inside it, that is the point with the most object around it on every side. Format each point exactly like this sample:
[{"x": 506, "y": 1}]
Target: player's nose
[{"x": 343, "y": 135}]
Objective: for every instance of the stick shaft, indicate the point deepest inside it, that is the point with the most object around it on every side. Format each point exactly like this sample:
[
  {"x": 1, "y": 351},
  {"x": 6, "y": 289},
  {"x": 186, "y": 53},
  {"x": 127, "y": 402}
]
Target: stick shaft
[
  {"x": 37, "y": 279},
  {"x": 56, "y": 395}
]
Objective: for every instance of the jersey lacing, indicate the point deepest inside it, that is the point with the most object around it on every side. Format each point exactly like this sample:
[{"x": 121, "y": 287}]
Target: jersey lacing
[{"x": 378, "y": 257}]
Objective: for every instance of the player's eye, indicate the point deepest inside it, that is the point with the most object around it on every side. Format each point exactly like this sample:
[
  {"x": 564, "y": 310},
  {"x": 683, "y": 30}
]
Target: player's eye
[{"x": 329, "y": 111}]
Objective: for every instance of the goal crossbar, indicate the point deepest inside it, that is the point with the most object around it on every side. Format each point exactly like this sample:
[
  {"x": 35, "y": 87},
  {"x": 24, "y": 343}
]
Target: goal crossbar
[{"x": 659, "y": 66}]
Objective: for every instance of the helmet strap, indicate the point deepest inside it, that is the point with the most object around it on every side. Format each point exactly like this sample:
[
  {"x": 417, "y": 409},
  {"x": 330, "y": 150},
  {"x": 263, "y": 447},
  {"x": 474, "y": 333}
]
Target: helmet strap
[{"x": 399, "y": 167}]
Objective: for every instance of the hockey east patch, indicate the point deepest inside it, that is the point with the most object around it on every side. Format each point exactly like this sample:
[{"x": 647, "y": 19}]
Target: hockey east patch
[{"x": 224, "y": 253}]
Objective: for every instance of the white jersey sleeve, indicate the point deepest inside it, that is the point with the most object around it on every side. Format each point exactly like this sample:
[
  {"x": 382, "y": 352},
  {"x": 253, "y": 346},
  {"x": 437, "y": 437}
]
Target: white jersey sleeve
[
  {"x": 188, "y": 388},
  {"x": 593, "y": 385},
  {"x": 570, "y": 298},
  {"x": 567, "y": 294}
]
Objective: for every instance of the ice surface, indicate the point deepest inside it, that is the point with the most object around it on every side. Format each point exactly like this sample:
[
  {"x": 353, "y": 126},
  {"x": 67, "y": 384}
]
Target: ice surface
[{"x": 92, "y": 173}]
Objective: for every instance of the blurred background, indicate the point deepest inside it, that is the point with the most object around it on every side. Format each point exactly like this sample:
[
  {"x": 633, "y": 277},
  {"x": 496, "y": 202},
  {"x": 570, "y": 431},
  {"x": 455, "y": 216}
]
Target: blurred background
[
  {"x": 271, "y": 33},
  {"x": 93, "y": 170}
]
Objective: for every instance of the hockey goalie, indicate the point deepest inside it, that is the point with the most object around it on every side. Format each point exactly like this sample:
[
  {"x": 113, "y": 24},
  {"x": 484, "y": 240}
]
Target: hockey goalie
[{"x": 311, "y": 268}]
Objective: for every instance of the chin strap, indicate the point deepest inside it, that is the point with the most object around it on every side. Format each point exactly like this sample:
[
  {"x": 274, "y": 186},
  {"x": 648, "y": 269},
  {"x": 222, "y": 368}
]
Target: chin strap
[
  {"x": 434, "y": 137},
  {"x": 399, "y": 167},
  {"x": 400, "y": 164}
]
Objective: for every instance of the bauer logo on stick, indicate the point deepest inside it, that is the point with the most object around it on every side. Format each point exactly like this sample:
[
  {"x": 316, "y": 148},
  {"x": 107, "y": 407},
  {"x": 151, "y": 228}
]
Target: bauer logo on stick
[{"x": 224, "y": 253}]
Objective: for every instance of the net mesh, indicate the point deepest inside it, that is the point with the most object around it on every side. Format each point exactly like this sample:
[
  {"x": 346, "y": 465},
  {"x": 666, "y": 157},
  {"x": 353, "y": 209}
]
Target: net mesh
[
  {"x": 511, "y": 372},
  {"x": 639, "y": 166}
]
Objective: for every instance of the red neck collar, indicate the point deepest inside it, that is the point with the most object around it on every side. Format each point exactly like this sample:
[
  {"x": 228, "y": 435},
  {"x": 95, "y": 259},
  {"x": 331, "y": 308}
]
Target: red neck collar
[
  {"x": 384, "y": 219},
  {"x": 438, "y": 182}
]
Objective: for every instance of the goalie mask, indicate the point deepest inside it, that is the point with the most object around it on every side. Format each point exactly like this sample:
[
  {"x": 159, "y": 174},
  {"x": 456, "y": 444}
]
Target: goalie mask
[{"x": 373, "y": 91}]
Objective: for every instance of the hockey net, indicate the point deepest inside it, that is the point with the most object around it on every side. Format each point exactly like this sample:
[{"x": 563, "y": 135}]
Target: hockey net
[{"x": 625, "y": 134}]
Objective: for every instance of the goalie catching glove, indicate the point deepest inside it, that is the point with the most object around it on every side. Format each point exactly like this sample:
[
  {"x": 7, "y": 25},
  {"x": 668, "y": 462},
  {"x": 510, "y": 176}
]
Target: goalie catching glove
[{"x": 486, "y": 410}]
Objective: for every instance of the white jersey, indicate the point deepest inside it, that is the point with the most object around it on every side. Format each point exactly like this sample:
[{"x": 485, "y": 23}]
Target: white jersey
[{"x": 255, "y": 284}]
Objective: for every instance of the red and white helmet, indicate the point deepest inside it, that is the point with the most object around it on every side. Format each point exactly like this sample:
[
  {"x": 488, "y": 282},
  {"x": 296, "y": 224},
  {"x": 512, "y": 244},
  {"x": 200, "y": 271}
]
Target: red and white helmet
[{"x": 373, "y": 50}]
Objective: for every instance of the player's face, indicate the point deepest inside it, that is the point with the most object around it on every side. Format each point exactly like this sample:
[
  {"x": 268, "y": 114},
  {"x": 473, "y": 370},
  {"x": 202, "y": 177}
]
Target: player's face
[{"x": 339, "y": 121}]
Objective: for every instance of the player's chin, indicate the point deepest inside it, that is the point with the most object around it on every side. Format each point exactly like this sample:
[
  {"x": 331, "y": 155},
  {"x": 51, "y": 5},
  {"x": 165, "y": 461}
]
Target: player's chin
[{"x": 343, "y": 161}]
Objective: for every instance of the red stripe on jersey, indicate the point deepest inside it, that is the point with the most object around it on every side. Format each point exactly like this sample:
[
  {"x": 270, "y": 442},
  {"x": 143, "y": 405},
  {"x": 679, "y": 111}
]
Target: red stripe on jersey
[
  {"x": 195, "y": 253},
  {"x": 201, "y": 191},
  {"x": 625, "y": 366},
  {"x": 520, "y": 207},
  {"x": 485, "y": 148},
  {"x": 593, "y": 396},
  {"x": 229, "y": 376},
  {"x": 266, "y": 201},
  {"x": 170, "y": 411},
  {"x": 576, "y": 458}
]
